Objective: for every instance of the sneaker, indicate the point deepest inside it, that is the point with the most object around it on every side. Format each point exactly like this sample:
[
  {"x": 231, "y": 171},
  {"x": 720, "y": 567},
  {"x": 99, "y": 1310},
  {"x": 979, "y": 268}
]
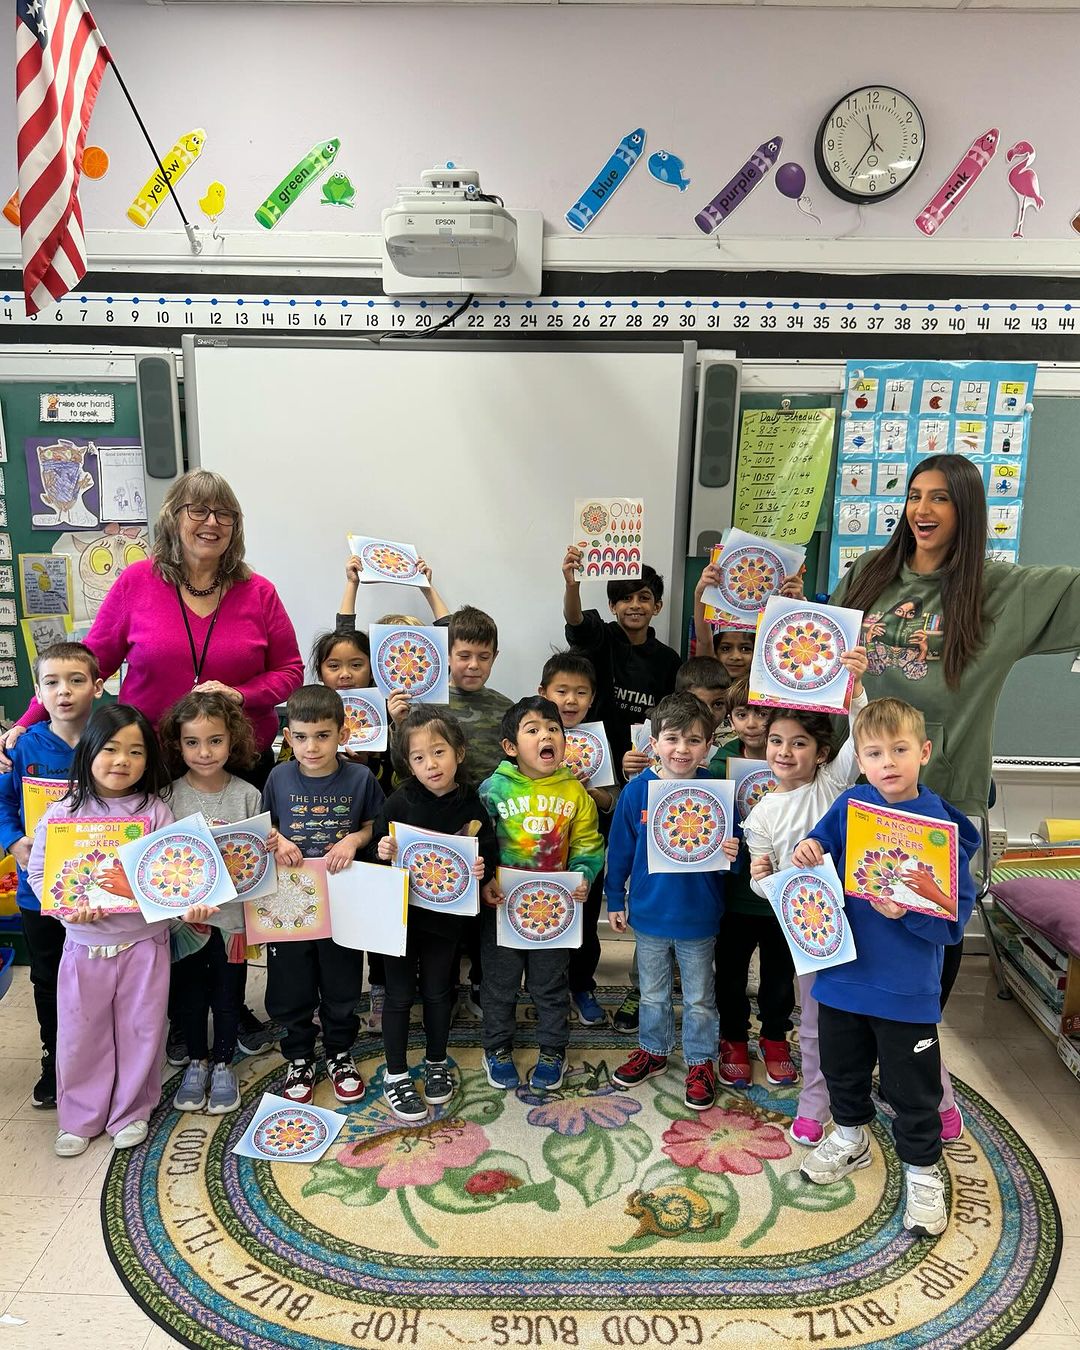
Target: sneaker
[
  {"x": 254, "y": 1037},
  {"x": 224, "y": 1091},
  {"x": 345, "y": 1077},
  {"x": 952, "y": 1124},
  {"x": 191, "y": 1094},
  {"x": 803, "y": 1130},
  {"x": 735, "y": 1070},
  {"x": 547, "y": 1073},
  {"x": 43, "y": 1097},
  {"x": 403, "y": 1099},
  {"x": 778, "y": 1066},
  {"x": 925, "y": 1213},
  {"x": 700, "y": 1086},
  {"x": 589, "y": 1012},
  {"x": 439, "y": 1085},
  {"x": 377, "y": 994},
  {"x": 70, "y": 1145},
  {"x": 500, "y": 1070},
  {"x": 176, "y": 1048},
  {"x": 299, "y": 1084},
  {"x": 131, "y": 1134},
  {"x": 642, "y": 1064},
  {"x": 835, "y": 1157},
  {"x": 626, "y": 1014}
]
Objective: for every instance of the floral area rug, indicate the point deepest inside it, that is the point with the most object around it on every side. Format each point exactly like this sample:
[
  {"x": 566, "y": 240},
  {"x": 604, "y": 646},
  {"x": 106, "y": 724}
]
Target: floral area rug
[{"x": 590, "y": 1217}]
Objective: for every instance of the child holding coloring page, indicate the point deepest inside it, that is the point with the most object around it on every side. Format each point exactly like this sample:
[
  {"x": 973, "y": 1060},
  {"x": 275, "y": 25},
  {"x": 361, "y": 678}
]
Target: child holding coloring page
[
  {"x": 429, "y": 748},
  {"x": 113, "y": 985}
]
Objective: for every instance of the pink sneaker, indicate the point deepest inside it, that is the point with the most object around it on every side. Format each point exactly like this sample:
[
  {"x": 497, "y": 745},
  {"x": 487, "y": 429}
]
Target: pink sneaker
[
  {"x": 952, "y": 1124},
  {"x": 806, "y": 1131}
]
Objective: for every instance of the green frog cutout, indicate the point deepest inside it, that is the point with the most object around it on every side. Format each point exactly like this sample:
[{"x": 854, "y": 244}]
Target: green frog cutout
[{"x": 338, "y": 191}]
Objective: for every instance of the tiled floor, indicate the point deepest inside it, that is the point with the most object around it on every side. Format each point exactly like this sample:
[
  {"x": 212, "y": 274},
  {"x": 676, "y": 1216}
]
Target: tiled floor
[{"x": 57, "y": 1280}]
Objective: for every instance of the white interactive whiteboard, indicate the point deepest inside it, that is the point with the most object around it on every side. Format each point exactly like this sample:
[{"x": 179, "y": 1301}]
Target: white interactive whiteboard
[{"x": 474, "y": 452}]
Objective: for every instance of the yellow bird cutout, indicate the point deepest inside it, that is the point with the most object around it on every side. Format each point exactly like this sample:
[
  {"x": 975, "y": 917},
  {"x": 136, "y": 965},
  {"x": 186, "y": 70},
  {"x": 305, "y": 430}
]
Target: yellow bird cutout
[
  {"x": 44, "y": 580},
  {"x": 213, "y": 203}
]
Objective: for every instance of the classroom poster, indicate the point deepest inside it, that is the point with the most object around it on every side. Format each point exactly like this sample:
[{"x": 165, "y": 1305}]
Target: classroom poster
[
  {"x": 76, "y": 854},
  {"x": 898, "y": 412},
  {"x": 121, "y": 481},
  {"x": 439, "y": 867},
  {"x": 809, "y": 905},
  {"x": 43, "y": 632},
  {"x": 751, "y": 570},
  {"x": 783, "y": 466},
  {"x": 797, "y": 653},
  {"x": 45, "y": 583},
  {"x": 687, "y": 823},
  {"x": 538, "y": 909},
  {"x": 883, "y": 844}
]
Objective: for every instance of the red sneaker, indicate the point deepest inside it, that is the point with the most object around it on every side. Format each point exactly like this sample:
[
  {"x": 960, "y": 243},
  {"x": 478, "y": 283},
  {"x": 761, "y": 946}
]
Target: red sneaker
[
  {"x": 642, "y": 1064},
  {"x": 299, "y": 1084},
  {"x": 735, "y": 1068},
  {"x": 345, "y": 1077},
  {"x": 778, "y": 1065},
  {"x": 700, "y": 1087}
]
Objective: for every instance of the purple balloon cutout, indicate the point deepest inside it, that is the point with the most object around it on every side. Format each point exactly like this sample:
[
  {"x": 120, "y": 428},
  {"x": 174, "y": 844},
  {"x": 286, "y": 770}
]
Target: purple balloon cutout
[{"x": 790, "y": 179}]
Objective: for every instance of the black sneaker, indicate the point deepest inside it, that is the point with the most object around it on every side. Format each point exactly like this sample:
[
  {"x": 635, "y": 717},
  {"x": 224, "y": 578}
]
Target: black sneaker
[
  {"x": 176, "y": 1048},
  {"x": 403, "y": 1100},
  {"x": 439, "y": 1085},
  {"x": 254, "y": 1037},
  {"x": 626, "y": 1015},
  {"x": 44, "y": 1093}
]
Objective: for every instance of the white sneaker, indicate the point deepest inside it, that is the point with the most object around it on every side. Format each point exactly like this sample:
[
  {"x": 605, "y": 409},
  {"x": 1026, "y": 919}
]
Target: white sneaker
[
  {"x": 925, "y": 1213},
  {"x": 131, "y": 1134},
  {"x": 835, "y": 1157},
  {"x": 70, "y": 1145}
]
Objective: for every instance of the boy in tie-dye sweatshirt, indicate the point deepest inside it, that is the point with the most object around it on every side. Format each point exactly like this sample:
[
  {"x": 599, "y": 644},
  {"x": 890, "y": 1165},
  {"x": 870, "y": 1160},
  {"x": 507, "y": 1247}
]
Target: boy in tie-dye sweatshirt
[{"x": 545, "y": 821}]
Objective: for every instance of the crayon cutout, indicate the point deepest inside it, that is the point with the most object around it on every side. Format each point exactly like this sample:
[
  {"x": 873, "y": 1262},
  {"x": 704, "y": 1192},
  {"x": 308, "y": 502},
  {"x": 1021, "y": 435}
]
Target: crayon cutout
[
  {"x": 614, "y": 173},
  {"x": 737, "y": 189},
  {"x": 176, "y": 163},
  {"x": 300, "y": 176},
  {"x": 956, "y": 187}
]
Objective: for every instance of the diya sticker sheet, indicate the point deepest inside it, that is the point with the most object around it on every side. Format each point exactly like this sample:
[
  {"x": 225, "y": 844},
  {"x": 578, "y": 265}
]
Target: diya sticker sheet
[
  {"x": 383, "y": 560},
  {"x": 38, "y": 794},
  {"x": 175, "y": 868},
  {"x": 281, "y": 1131},
  {"x": 588, "y": 754},
  {"x": 797, "y": 656},
  {"x": 751, "y": 570},
  {"x": 688, "y": 821},
  {"x": 439, "y": 868},
  {"x": 249, "y": 862},
  {"x": 539, "y": 909},
  {"x": 883, "y": 844},
  {"x": 369, "y": 908},
  {"x": 298, "y": 911},
  {"x": 610, "y": 531},
  {"x": 414, "y": 660},
  {"x": 76, "y": 853},
  {"x": 365, "y": 719},
  {"x": 809, "y": 903},
  {"x": 753, "y": 779}
]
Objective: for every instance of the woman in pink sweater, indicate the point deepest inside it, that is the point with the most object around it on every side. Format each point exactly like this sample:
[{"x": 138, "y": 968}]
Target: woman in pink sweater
[{"x": 196, "y": 617}]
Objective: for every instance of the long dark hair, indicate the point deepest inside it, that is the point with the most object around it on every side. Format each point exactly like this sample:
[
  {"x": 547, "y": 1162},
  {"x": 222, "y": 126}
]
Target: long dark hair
[
  {"x": 961, "y": 573},
  {"x": 100, "y": 730}
]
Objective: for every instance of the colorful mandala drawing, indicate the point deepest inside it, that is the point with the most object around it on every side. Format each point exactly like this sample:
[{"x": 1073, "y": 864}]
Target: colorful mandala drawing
[
  {"x": 178, "y": 871},
  {"x": 363, "y": 721},
  {"x": 802, "y": 650},
  {"x": 539, "y": 910},
  {"x": 410, "y": 661},
  {"x": 290, "y": 1133},
  {"x": 293, "y": 906},
  {"x": 880, "y": 873},
  {"x": 585, "y": 752},
  {"x": 757, "y": 784},
  {"x": 593, "y": 518},
  {"x": 812, "y": 915},
  {"x": 749, "y": 576},
  {"x": 246, "y": 859},
  {"x": 390, "y": 562},
  {"x": 689, "y": 825},
  {"x": 436, "y": 872},
  {"x": 75, "y": 885}
]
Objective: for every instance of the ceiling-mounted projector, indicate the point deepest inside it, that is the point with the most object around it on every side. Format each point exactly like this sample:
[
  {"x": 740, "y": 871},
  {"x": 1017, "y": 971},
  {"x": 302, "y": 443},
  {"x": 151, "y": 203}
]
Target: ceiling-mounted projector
[{"x": 453, "y": 238}]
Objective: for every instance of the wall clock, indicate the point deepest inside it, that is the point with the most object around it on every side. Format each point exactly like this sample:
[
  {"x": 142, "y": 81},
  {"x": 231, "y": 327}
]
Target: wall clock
[{"x": 870, "y": 144}]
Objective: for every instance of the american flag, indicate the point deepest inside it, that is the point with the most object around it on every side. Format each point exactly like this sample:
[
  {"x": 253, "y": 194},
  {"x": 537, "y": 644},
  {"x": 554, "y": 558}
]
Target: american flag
[{"x": 60, "y": 58}]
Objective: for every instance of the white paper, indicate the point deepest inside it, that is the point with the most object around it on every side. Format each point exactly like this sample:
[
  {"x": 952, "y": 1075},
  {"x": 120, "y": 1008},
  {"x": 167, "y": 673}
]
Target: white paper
[
  {"x": 243, "y": 847},
  {"x": 688, "y": 821},
  {"x": 610, "y": 531},
  {"x": 386, "y": 561},
  {"x": 281, "y": 1131},
  {"x": 796, "y": 661},
  {"x": 587, "y": 747},
  {"x": 415, "y": 660},
  {"x": 369, "y": 908},
  {"x": 365, "y": 719},
  {"x": 539, "y": 910},
  {"x": 176, "y": 867},
  {"x": 439, "y": 867},
  {"x": 121, "y": 483}
]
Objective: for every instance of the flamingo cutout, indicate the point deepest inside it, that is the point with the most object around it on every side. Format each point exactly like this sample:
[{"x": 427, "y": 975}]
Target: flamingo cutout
[{"x": 1024, "y": 181}]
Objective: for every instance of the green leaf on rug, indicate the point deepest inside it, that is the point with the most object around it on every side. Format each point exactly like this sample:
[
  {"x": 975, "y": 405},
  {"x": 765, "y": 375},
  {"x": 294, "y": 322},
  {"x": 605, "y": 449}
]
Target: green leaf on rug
[
  {"x": 670, "y": 1105},
  {"x": 808, "y": 1195},
  {"x": 598, "y": 1162},
  {"x": 350, "y": 1185},
  {"x": 495, "y": 1178},
  {"x": 476, "y": 1099}
]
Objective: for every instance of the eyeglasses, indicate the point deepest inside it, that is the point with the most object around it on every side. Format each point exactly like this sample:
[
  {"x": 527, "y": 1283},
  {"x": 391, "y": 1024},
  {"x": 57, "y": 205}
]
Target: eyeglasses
[{"x": 220, "y": 514}]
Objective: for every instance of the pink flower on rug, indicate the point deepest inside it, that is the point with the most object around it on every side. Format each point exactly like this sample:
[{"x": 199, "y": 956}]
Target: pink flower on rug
[
  {"x": 420, "y": 1156},
  {"x": 724, "y": 1141}
]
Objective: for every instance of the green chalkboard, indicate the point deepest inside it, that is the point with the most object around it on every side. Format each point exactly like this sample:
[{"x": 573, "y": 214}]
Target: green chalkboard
[{"x": 20, "y": 402}]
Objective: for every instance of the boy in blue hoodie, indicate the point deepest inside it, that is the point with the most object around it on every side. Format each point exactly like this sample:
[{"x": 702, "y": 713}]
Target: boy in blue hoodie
[
  {"x": 884, "y": 1006},
  {"x": 670, "y": 913},
  {"x": 68, "y": 682}
]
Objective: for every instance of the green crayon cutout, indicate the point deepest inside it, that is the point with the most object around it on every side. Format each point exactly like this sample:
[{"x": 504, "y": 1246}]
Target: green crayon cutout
[{"x": 313, "y": 165}]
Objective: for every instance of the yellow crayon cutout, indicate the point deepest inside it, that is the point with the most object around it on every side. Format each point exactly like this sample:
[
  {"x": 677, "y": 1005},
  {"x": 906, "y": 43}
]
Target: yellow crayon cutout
[{"x": 176, "y": 163}]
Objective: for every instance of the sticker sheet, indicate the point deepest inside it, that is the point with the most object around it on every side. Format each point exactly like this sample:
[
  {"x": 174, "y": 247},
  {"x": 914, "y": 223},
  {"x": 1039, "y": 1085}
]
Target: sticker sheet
[
  {"x": 38, "y": 794},
  {"x": 588, "y": 753},
  {"x": 365, "y": 719},
  {"x": 249, "y": 863},
  {"x": 898, "y": 412},
  {"x": 77, "y": 855},
  {"x": 175, "y": 868},
  {"x": 883, "y": 844},
  {"x": 298, "y": 911},
  {"x": 383, "y": 560},
  {"x": 688, "y": 821},
  {"x": 751, "y": 570},
  {"x": 539, "y": 909},
  {"x": 439, "y": 868},
  {"x": 753, "y": 779},
  {"x": 281, "y": 1131},
  {"x": 369, "y": 908},
  {"x": 610, "y": 531},
  {"x": 797, "y": 654},
  {"x": 809, "y": 903},
  {"x": 413, "y": 659}
]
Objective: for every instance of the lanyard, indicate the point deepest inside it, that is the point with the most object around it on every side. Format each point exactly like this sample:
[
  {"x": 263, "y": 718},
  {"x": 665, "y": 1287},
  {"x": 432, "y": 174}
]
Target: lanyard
[{"x": 197, "y": 663}]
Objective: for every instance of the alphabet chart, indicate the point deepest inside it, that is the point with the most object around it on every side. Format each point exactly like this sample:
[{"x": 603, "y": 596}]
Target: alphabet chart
[{"x": 898, "y": 412}]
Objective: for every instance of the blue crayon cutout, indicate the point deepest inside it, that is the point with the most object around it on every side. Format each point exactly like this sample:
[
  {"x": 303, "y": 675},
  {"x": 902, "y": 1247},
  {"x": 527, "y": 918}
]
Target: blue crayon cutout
[
  {"x": 598, "y": 193},
  {"x": 668, "y": 168}
]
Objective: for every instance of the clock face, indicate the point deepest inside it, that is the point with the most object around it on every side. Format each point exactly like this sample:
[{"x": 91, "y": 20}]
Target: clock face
[{"x": 870, "y": 144}]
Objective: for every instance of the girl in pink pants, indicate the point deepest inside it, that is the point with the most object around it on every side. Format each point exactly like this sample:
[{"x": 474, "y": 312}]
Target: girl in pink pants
[{"x": 113, "y": 986}]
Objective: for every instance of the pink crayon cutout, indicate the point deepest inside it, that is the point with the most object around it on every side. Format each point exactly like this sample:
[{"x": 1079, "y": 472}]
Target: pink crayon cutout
[
  {"x": 956, "y": 187},
  {"x": 735, "y": 192}
]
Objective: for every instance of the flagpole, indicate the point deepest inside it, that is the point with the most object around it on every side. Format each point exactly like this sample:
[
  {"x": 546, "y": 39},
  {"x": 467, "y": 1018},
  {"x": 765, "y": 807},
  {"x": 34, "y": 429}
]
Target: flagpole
[{"x": 192, "y": 231}]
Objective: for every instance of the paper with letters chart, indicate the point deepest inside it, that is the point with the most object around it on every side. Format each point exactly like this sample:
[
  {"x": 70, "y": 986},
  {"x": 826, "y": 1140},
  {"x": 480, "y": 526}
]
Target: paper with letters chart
[
  {"x": 809, "y": 903},
  {"x": 883, "y": 844},
  {"x": 383, "y": 560},
  {"x": 412, "y": 659},
  {"x": 539, "y": 909},
  {"x": 797, "y": 654},
  {"x": 587, "y": 749},
  {"x": 369, "y": 908},
  {"x": 751, "y": 570},
  {"x": 281, "y": 1131},
  {"x": 175, "y": 868},
  {"x": 298, "y": 911},
  {"x": 365, "y": 719},
  {"x": 76, "y": 853},
  {"x": 610, "y": 531},
  {"x": 250, "y": 864},
  {"x": 439, "y": 868},
  {"x": 688, "y": 821}
]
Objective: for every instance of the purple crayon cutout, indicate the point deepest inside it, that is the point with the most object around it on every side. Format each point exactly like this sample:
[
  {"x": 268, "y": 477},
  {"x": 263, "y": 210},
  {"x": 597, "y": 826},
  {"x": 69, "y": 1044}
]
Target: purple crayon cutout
[{"x": 745, "y": 181}]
